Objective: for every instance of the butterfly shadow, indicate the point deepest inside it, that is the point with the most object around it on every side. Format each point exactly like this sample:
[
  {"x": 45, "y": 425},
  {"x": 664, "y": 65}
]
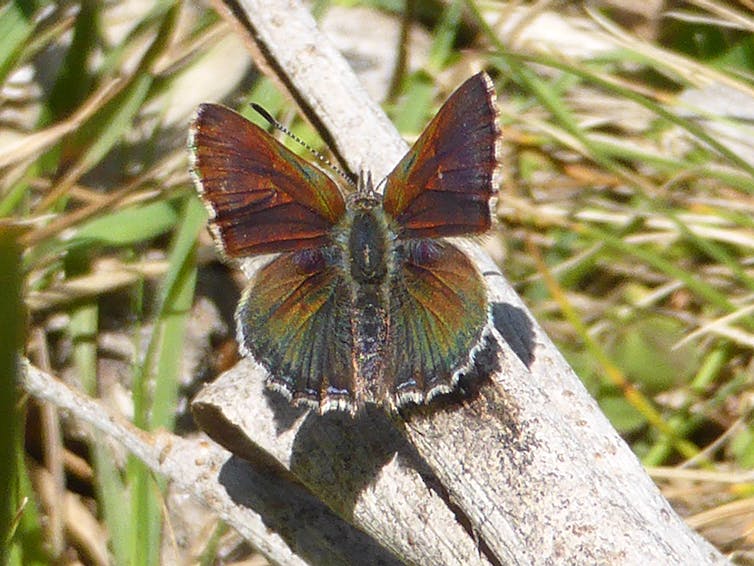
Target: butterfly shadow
[
  {"x": 516, "y": 329},
  {"x": 287, "y": 508},
  {"x": 338, "y": 455}
]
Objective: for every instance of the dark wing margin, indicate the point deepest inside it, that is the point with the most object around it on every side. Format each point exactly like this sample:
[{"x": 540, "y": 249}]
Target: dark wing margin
[
  {"x": 261, "y": 197},
  {"x": 443, "y": 185}
]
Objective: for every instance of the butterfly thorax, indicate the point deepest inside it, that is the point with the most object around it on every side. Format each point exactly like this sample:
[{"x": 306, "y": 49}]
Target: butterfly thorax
[{"x": 368, "y": 246}]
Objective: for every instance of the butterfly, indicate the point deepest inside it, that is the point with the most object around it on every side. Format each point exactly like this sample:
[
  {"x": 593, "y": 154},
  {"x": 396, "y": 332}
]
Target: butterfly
[{"x": 364, "y": 299}]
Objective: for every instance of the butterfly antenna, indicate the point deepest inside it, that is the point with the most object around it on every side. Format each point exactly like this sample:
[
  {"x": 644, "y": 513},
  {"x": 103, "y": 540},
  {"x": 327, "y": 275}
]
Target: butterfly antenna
[{"x": 277, "y": 125}]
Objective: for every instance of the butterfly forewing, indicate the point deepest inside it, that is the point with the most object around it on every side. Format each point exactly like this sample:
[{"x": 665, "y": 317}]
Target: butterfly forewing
[
  {"x": 262, "y": 197},
  {"x": 443, "y": 185}
]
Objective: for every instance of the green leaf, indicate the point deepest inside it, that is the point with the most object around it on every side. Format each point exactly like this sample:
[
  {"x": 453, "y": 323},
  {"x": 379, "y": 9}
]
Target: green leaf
[
  {"x": 128, "y": 226},
  {"x": 15, "y": 29}
]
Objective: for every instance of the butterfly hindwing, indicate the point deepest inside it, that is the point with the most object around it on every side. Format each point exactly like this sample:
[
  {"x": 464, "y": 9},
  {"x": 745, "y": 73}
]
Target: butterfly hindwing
[
  {"x": 294, "y": 319},
  {"x": 262, "y": 197},
  {"x": 443, "y": 185},
  {"x": 438, "y": 313}
]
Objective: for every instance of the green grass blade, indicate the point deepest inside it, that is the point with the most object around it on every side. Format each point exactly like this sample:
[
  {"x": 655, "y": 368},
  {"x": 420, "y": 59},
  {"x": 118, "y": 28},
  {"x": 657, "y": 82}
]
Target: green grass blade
[
  {"x": 178, "y": 295},
  {"x": 12, "y": 338},
  {"x": 127, "y": 226},
  {"x": 696, "y": 285},
  {"x": 444, "y": 36},
  {"x": 110, "y": 488},
  {"x": 15, "y": 28},
  {"x": 164, "y": 353}
]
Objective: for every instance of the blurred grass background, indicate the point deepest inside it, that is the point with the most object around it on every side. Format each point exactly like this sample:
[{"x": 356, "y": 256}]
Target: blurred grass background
[{"x": 625, "y": 222}]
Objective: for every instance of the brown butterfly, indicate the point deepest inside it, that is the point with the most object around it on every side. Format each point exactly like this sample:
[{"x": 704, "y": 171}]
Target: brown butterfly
[{"x": 365, "y": 300}]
